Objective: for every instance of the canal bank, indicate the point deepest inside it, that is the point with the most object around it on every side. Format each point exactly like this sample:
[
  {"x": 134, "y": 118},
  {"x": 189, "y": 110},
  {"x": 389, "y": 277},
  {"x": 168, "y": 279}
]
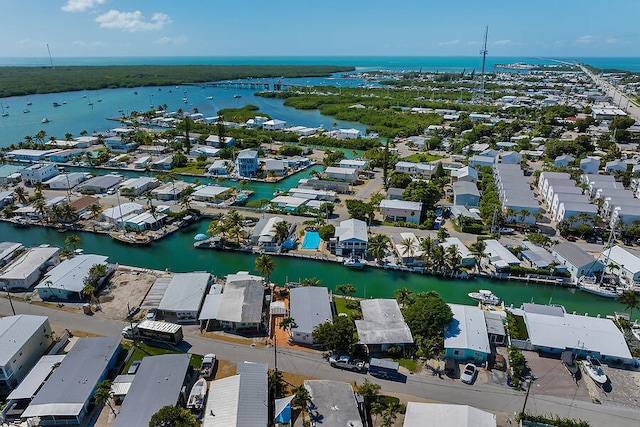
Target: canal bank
[{"x": 176, "y": 253}]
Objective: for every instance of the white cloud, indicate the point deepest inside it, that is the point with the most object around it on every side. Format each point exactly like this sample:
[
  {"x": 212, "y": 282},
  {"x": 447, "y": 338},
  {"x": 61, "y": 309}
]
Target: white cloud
[
  {"x": 449, "y": 43},
  {"x": 82, "y": 43},
  {"x": 81, "y": 5},
  {"x": 612, "y": 40},
  {"x": 132, "y": 21},
  {"x": 503, "y": 42},
  {"x": 171, "y": 40},
  {"x": 585, "y": 40}
]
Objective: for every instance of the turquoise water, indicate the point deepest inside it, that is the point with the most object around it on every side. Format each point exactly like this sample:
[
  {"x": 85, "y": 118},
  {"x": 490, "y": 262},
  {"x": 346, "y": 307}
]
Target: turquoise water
[{"x": 311, "y": 240}]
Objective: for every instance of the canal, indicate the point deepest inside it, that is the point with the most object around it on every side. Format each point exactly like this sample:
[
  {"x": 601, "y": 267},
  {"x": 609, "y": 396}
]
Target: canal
[{"x": 176, "y": 253}]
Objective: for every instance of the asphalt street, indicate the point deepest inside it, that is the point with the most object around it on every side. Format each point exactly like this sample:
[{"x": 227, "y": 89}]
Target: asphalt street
[{"x": 484, "y": 396}]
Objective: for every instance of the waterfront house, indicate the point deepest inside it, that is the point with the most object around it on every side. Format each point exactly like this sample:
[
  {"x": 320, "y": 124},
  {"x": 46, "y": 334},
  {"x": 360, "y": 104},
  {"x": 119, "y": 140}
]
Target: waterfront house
[
  {"x": 137, "y": 186},
  {"x": 309, "y": 307},
  {"x": 578, "y": 262},
  {"x": 466, "y": 337},
  {"x": 39, "y": 172},
  {"x": 30, "y": 156},
  {"x": 465, "y": 193},
  {"x": 311, "y": 194},
  {"x": 274, "y": 167},
  {"x": 274, "y": 124},
  {"x": 214, "y": 141},
  {"x": 65, "y": 282},
  {"x": 145, "y": 397},
  {"x": 589, "y": 165},
  {"x": 145, "y": 220},
  {"x": 341, "y": 174},
  {"x": 401, "y": 211},
  {"x": 407, "y": 248},
  {"x": 183, "y": 297},
  {"x": 334, "y": 403},
  {"x": 10, "y": 173},
  {"x": 219, "y": 168},
  {"x": 119, "y": 145},
  {"x": 24, "y": 271},
  {"x": 466, "y": 173},
  {"x": 6, "y": 198},
  {"x": 264, "y": 234},
  {"x": 382, "y": 325},
  {"x": 239, "y": 400},
  {"x": 19, "y": 399},
  {"x": 552, "y": 330},
  {"x": 203, "y": 150},
  {"x": 466, "y": 257},
  {"x": 64, "y": 156},
  {"x": 7, "y": 251},
  {"x": 563, "y": 160},
  {"x": 360, "y": 165},
  {"x": 118, "y": 213},
  {"x": 66, "y": 181},
  {"x": 142, "y": 162},
  {"x": 288, "y": 203},
  {"x": 173, "y": 190},
  {"x": 247, "y": 163},
  {"x": 66, "y": 395},
  {"x": 24, "y": 339},
  {"x": 498, "y": 256},
  {"x": 350, "y": 238},
  {"x": 100, "y": 184},
  {"x": 446, "y": 415},
  {"x": 165, "y": 163},
  {"x": 348, "y": 134},
  {"x": 209, "y": 193},
  {"x": 537, "y": 256},
  {"x": 621, "y": 261},
  {"x": 495, "y": 327},
  {"x": 242, "y": 303}
]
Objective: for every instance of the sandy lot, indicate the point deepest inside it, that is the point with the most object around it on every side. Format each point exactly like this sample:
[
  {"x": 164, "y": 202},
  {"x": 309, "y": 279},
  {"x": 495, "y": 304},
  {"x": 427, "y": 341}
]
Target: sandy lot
[{"x": 127, "y": 285}]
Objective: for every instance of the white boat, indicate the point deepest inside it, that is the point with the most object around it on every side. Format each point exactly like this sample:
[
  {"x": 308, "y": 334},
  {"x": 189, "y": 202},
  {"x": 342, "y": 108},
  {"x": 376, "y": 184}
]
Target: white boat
[
  {"x": 237, "y": 96},
  {"x": 354, "y": 263},
  {"x": 589, "y": 284},
  {"x": 209, "y": 98},
  {"x": 197, "y": 395},
  {"x": 26, "y": 110},
  {"x": 593, "y": 368},
  {"x": 45, "y": 120},
  {"x": 485, "y": 296},
  {"x": 635, "y": 330},
  {"x": 4, "y": 113}
]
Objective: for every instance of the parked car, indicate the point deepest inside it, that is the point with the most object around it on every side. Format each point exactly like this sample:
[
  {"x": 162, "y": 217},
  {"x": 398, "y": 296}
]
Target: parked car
[
  {"x": 468, "y": 374},
  {"x": 500, "y": 363},
  {"x": 347, "y": 362},
  {"x": 151, "y": 315},
  {"x": 571, "y": 238},
  {"x": 134, "y": 367},
  {"x": 208, "y": 365}
]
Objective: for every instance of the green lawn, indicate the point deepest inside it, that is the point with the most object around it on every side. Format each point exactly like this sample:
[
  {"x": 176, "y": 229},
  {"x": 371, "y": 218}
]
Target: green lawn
[
  {"x": 421, "y": 157},
  {"x": 341, "y": 306},
  {"x": 411, "y": 365},
  {"x": 143, "y": 350}
]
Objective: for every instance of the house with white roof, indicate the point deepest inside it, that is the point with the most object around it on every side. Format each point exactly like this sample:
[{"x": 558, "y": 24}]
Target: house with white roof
[
  {"x": 382, "y": 325},
  {"x": 66, "y": 181},
  {"x": 309, "y": 306},
  {"x": 478, "y": 161},
  {"x": 465, "y": 193},
  {"x": 274, "y": 124},
  {"x": 264, "y": 234},
  {"x": 242, "y": 303},
  {"x": 25, "y": 338},
  {"x": 28, "y": 155},
  {"x": 578, "y": 262},
  {"x": 219, "y": 168},
  {"x": 408, "y": 249},
  {"x": 184, "y": 296},
  {"x": 65, "y": 282},
  {"x": 466, "y": 337},
  {"x": 171, "y": 190},
  {"x": 625, "y": 260},
  {"x": 350, "y": 239},
  {"x": 446, "y": 415},
  {"x": 348, "y": 134},
  {"x": 24, "y": 271},
  {"x": 204, "y": 150},
  {"x": 40, "y": 172},
  {"x": 229, "y": 399},
  {"x": 401, "y": 211},
  {"x": 573, "y": 209},
  {"x": 209, "y": 193},
  {"x": 360, "y": 165},
  {"x": 341, "y": 174},
  {"x": 552, "y": 330},
  {"x": 275, "y": 167},
  {"x": 247, "y": 163},
  {"x": 615, "y": 165},
  {"x": 466, "y": 257},
  {"x": 214, "y": 141},
  {"x": 465, "y": 173},
  {"x": 499, "y": 256},
  {"x": 116, "y": 214},
  {"x": 137, "y": 186}
]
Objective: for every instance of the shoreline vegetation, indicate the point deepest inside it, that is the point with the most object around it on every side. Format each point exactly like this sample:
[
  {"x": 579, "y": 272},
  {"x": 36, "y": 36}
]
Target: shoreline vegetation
[{"x": 20, "y": 81}]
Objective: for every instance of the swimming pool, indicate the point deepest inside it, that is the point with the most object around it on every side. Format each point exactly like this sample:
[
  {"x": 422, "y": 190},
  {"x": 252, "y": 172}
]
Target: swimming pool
[{"x": 311, "y": 240}]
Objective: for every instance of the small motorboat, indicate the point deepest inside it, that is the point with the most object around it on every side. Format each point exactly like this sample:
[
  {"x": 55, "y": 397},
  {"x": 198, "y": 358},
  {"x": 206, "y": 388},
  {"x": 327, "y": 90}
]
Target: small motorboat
[
  {"x": 237, "y": 96},
  {"x": 197, "y": 395},
  {"x": 569, "y": 362},
  {"x": 45, "y": 120},
  {"x": 485, "y": 296},
  {"x": 56, "y": 104},
  {"x": 26, "y": 110},
  {"x": 593, "y": 368},
  {"x": 354, "y": 263},
  {"x": 209, "y": 98}
]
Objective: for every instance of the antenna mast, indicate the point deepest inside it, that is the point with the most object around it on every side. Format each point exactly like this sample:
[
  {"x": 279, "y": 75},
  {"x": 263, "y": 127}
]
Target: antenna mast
[
  {"x": 50, "y": 60},
  {"x": 479, "y": 96}
]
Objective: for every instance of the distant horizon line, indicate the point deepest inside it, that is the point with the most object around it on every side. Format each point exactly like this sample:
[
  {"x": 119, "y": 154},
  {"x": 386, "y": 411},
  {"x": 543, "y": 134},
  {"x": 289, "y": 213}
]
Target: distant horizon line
[{"x": 326, "y": 56}]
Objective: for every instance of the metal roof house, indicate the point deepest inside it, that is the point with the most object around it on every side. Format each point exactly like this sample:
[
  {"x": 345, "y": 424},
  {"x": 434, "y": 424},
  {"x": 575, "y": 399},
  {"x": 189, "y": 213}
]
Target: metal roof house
[
  {"x": 465, "y": 193},
  {"x": 157, "y": 383},
  {"x": 66, "y": 280},
  {"x": 382, "y": 325},
  {"x": 445, "y": 415},
  {"x": 552, "y": 330},
  {"x": 342, "y": 173},
  {"x": 627, "y": 261},
  {"x": 466, "y": 336},
  {"x": 350, "y": 239},
  {"x": 26, "y": 269},
  {"x": 242, "y": 303},
  {"x": 499, "y": 256},
  {"x": 578, "y": 262},
  {"x": 100, "y": 184},
  {"x": 20, "y": 398},
  {"x": 64, "y": 398},
  {"x": 309, "y": 307},
  {"x": 184, "y": 296},
  {"x": 7, "y": 249},
  {"x": 23, "y": 338},
  {"x": 466, "y": 257},
  {"x": 335, "y": 403},
  {"x": 240, "y": 400},
  {"x": 400, "y": 210}
]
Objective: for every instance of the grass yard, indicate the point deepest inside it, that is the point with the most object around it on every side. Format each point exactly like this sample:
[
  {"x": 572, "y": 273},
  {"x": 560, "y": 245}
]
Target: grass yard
[
  {"x": 421, "y": 157},
  {"x": 341, "y": 306},
  {"x": 143, "y": 350},
  {"x": 410, "y": 364}
]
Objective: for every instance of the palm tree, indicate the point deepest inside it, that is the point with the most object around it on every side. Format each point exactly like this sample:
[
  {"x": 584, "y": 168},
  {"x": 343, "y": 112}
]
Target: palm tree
[
  {"x": 438, "y": 259},
  {"x": 265, "y": 265},
  {"x": 21, "y": 194},
  {"x": 185, "y": 202},
  {"x": 282, "y": 231},
  {"x": 72, "y": 241},
  {"x": 477, "y": 249},
  {"x": 408, "y": 248},
  {"x": 69, "y": 213},
  {"x": 103, "y": 394},
  {"x": 286, "y": 324},
  {"x": 302, "y": 398},
  {"x": 630, "y": 301},
  {"x": 378, "y": 246},
  {"x": 95, "y": 209},
  {"x": 40, "y": 208},
  {"x": 442, "y": 234},
  {"x": 310, "y": 281},
  {"x": 233, "y": 219},
  {"x": 453, "y": 257},
  {"x": 404, "y": 297},
  {"x": 88, "y": 291}
]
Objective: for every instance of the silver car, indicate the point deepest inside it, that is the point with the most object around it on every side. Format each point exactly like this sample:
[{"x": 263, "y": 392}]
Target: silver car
[{"x": 469, "y": 373}]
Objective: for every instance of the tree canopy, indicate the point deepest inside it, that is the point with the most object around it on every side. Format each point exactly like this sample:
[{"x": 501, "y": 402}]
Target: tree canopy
[
  {"x": 427, "y": 316},
  {"x": 339, "y": 335},
  {"x": 171, "y": 416}
]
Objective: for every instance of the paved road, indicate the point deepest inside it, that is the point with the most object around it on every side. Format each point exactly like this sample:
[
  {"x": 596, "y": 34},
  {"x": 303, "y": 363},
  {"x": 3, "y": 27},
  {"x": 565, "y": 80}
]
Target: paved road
[
  {"x": 485, "y": 396},
  {"x": 616, "y": 95}
]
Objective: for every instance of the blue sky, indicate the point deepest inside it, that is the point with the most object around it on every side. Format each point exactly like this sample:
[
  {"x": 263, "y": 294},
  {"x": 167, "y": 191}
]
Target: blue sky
[{"x": 559, "y": 28}]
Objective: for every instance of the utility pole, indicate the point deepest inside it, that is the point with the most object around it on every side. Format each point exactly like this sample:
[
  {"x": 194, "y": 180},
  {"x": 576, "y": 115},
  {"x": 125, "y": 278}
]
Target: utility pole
[
  {"x": 526, "y": 396},
  {"x": 13, "y": 310}
]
